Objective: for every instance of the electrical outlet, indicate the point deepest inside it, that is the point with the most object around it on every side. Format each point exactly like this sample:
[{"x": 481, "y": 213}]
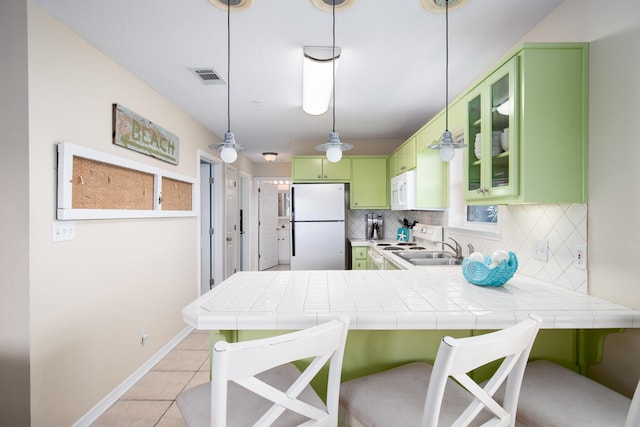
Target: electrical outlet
[
  {"x": 541, "y": 250},
  {"x": 63, "y": 230},
  {"x": 580, "y": 256}
]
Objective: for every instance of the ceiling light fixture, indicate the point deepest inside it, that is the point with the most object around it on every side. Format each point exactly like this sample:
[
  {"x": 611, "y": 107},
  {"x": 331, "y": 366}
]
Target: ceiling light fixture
[
  {"x": 228, "y": 147},
  {"x": 334, "y": 147},
  {"x": 447, "y": 145},
  {"x": 326, "y": 5},
  {"x": 317, "y": 78},
  {"x": 269, "y": 156}
]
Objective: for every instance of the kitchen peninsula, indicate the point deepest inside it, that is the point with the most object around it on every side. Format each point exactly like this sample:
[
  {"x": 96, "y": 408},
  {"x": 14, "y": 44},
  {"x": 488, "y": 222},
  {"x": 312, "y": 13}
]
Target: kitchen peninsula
[
  {"x": 401, "y": 315},
  {"x": 437, "y": 298}
]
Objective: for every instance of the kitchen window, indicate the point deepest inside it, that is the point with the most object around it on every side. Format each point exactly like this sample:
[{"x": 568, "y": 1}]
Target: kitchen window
[
  {"x": 477, "y": 220},
  {"x": 482, "y": 214}
]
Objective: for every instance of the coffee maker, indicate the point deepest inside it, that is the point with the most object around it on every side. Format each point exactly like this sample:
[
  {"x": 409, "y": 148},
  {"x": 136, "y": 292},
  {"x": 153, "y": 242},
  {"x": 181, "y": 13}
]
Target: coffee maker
[{"x": 374, "y": 227}]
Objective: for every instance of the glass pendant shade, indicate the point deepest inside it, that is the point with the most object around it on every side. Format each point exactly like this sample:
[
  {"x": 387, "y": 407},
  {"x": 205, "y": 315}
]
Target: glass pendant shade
[
  {"x": 447, "y": 154},
  {"x": 228, "y": 148},
  {"x": 334, "y": 147},
  {"x": 228, "y": 154},
  {"x": 334, "y": 154},
  {"x": 447, "y": 146}
]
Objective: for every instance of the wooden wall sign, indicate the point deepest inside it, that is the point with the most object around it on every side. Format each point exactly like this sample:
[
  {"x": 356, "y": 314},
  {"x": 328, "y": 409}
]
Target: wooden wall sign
[{"x": 139, "y": 134}]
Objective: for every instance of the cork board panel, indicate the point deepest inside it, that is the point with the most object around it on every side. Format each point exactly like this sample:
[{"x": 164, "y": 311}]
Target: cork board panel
[
  {"x": 99, "y": 185},
  {"x": 176, "y": 195}
]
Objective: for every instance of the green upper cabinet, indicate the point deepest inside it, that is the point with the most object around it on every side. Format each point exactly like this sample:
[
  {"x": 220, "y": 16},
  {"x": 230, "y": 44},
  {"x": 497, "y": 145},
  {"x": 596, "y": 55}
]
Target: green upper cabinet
[
  {"x": 492, "y": 169},
  {"x": 369, "y": 183},
  {"x": 404, "y": 158},
  {"x": 526, "y": 128},
  {"x": 431, "y": 172},
  {"x": 318, "y": 168}
]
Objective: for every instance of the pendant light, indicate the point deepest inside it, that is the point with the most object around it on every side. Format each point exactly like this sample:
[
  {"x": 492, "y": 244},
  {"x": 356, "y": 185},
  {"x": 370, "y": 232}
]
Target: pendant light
[
  {"x": 447, "y": 145},
  {"x": 334, "y": 147},
  {"x": 228, "y": 147}
]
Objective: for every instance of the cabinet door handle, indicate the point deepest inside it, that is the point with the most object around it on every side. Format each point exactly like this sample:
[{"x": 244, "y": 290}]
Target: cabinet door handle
[{"x": 319, "y": 176}]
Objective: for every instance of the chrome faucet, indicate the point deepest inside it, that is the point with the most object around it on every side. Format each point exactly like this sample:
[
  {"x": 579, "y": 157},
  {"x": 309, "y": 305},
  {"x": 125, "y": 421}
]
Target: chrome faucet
[
  {"x": 457, "y": 248},
  {"x": 471, "y": 248}
]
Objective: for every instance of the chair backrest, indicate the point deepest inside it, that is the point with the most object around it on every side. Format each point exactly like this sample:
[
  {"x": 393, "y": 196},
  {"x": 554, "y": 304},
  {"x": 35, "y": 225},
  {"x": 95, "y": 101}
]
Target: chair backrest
[
  {"x": 241, "y": 362},
  {"x": 458, "y": 356}
]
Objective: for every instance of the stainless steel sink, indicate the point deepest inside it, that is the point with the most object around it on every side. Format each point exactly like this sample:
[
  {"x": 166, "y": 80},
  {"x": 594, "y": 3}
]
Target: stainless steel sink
[
  {"x": 435, "y": 261},
  {"x": 429, "y": 257},
  {"x": 410, "y": 255}
]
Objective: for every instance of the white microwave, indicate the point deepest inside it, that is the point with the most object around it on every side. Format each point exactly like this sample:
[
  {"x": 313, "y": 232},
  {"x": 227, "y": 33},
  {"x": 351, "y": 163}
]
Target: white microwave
[{"x": 404, "y": 191}]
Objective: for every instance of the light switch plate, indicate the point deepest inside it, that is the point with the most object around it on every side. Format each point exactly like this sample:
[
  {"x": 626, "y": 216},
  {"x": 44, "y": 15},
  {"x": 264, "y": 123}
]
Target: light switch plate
[
  {"x": 541, "y": 250},
  {"x": 63, "y": 230}
]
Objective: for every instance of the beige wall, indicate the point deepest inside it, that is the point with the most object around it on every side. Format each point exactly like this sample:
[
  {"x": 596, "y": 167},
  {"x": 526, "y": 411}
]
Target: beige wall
[
  {"x": 14, "y": 216},
  {"x": 275, "y": 169},
  {"x": 90, "y": 297}
]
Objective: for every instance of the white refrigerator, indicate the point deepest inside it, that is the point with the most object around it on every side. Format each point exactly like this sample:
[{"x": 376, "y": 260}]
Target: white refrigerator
[{"x": 318, "y": 229}]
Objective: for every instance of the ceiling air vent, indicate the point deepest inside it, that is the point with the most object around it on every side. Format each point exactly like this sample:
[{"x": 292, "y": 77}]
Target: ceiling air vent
[{"x": 208, "y": 76}]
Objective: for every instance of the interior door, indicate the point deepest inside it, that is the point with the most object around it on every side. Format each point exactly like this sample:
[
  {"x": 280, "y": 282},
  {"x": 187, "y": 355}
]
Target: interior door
[
  {"x": 206, "y": 227},
  {"x": 232, "y": 220},
  {"x": 268, "y": 225}
]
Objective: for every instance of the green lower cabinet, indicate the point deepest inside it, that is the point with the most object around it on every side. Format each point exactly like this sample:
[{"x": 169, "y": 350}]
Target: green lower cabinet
[
  {"x": 369, "y": 183},
  {"x": 360, "y": 258},
  {"x": 388, "y": 265}
]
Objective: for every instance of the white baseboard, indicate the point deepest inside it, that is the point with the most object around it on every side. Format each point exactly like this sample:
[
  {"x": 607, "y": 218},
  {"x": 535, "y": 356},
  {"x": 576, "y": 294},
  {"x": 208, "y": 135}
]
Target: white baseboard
[{"x": 101, "y": 407}]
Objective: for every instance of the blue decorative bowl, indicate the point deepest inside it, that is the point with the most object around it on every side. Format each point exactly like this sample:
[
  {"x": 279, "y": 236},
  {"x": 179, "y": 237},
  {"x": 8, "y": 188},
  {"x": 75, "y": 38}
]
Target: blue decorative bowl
[{"x": 479, "y": 273}]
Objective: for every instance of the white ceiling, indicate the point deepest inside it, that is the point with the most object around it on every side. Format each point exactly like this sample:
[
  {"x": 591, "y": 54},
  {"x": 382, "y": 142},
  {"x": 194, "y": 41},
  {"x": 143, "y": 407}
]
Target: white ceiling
[{"x": 390, "y": 81}]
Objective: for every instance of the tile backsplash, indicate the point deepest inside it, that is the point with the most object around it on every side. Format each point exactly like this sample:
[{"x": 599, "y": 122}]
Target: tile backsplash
[
  {"x": 562, "y": 225},
  {"x": 356, "y": 221}
]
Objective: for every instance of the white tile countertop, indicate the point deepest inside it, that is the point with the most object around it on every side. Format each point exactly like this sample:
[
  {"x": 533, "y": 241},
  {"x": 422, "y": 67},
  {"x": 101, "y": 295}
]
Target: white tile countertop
[{"x": 435, "y": 298}]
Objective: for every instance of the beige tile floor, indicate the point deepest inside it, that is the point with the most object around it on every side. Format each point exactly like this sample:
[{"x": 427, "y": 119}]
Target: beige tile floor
[{"x": 151, "y": 401}]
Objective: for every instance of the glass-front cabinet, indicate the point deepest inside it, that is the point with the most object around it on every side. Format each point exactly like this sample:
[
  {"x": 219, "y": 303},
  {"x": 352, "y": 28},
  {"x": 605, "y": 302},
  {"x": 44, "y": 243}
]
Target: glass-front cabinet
[
  {"x": 526, "y": 128},
  {"x": 491, "y": 128}
]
